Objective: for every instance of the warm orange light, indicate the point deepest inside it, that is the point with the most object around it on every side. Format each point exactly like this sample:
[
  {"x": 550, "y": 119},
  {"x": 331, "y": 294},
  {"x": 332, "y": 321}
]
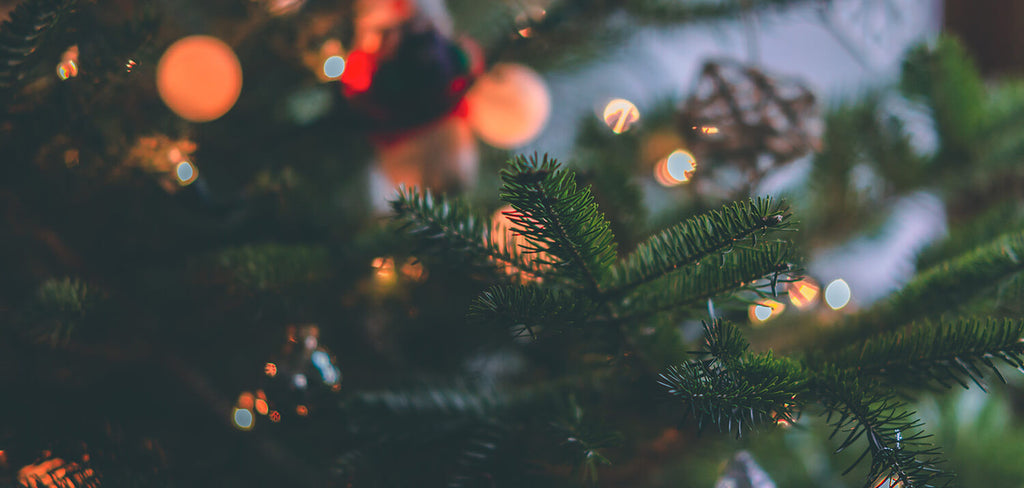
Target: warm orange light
[
  {"x": 620, "y": 114},
  {"x": 803, "y": 293},
  {"x": 68, "y": 66},
  {"x": 384, "y": 270},
  {"x": 245, "y": 400},
  {"x": 261, "y": 407},
  {"x": 270, "y": 369},
  {"x": 199, "y": 78},
  {"x": 509, "y": 105},
  {"x": 275, "y": 416},
  {"x": 502, "y": 235},
  {"x": 302, "y": 410},
  {"x": 531, "y": 15},
  {"x": 55, "y": 473},
  {"x": 764, "y": 311},
  {"x": 186, "y": 173},
  {"x": 707, "y": 129},
  {"x": 414, "y": 270}
]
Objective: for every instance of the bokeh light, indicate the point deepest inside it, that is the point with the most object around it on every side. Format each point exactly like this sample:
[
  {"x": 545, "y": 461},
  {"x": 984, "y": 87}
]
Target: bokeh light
[
  {"x": 246, "y": 400},
  {"x": 620, "y": 114},
  {"x": 199, "y": 78},
  {"x": 68, "y": 66},
  {"x": 261, "y": 407},
  {"x": 765, "y": 310},
  {"x": 837, "y": 294},
  {"x": 242, "y": 418},
  {"x": 270, "y": 369},
  {"x": 804, "y": 293},
  {"x": 334, "y": 66},
  {"x": 676, "y": 169},
  {"x": 302, "y": 410},
  {"x": 275, "y": 416},
  {"x": 186, "y": 173},
  {"x": 527, "y": 18},
  {"x": 509, "y": 105},
  {"x": 300, "y": 381}
]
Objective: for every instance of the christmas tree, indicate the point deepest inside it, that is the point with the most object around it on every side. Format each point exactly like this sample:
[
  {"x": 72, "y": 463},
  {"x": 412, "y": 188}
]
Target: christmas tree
[{"x": 332, "y": 243}]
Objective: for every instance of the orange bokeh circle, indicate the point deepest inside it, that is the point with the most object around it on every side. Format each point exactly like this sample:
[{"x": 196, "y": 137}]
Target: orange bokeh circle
[{"x": 199, "y": 78}]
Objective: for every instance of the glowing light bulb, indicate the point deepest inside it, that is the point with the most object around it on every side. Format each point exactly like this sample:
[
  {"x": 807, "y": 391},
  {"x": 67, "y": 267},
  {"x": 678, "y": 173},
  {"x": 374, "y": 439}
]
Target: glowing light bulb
[
  {"x": 803, "y": 293},
  {"x": 334, "y": 66},
  {"x": 620, "y": 114},
  {"x": 764, "y": 311},
  {"x": 242, "y": 418},
  {"x": 837, "y": 294},
  {"x": 186, "y": 173}
]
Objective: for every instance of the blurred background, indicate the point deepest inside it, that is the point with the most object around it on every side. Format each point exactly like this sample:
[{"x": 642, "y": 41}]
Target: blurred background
[{"x": 194, "y": 207}]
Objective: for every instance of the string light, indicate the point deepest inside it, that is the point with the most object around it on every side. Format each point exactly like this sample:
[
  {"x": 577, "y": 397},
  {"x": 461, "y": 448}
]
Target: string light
[
  {"x": 764, "y": 311},
  {"x": 803, "y": 293},
  {"x": 837, "y": 294},
  {"x": 242, "y": 418},
  {"x": 620, "y": 114}
]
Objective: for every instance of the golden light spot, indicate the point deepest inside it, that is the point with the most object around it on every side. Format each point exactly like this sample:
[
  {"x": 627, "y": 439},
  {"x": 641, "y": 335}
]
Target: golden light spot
[
  {"x": 199, "y": 78},
  {"x": 71, "y": 157},
  {"x": 275, "y": 416},
  {"x": 524, "y": 21},
  {"x": 706, "y": 129},
  {"x": 242, "y": 418},
  {"x": 676, "y": 169},
  {"x": 764, "y": 311},
  {"x": 384, "y": 270},
  {"x": 620, "y": 114},
  {"x": 803, "y": 293},
  {"x": 270, "y": 369},
  {"x": 302, "y": 410},
  {"x": 130, "y": 65},
  {"x": 245, "y": 400},
  {"x": 414, "y": 270},
  {"x": 68, "y": 66},
  {"x": 503, "y": 236},
  {"x": 838, "y": 294},
  {"x": 186, "y": 173},
  {"x": 54, "y": 473},
  {"x": 261, "y": 407}
]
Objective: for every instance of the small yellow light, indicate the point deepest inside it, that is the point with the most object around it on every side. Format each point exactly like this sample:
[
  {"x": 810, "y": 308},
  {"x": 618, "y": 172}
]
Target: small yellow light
[
  {"x": 620, "y": 114},
  {"x": 384, "y": 270},
  {"x": 803, "y": 293},
  {"x": 242, "y": 418},
  {"x": 764, "y": 311},
  {"x": 706, "y": 129}
]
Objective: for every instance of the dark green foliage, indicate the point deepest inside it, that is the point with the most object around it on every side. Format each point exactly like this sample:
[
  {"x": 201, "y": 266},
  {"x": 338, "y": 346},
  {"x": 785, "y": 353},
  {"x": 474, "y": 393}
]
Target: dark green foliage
[
  {"x": 939, "y": 289},
  {"x": 460, "y": 403},
  {"x": 943, "y": 76},
  {"x": 560, "y": 221},
  {"x": 895, "y": 438},
  {"x": 956, "y": 351},
  {"x": 60, "y": 305},
  {"x": 450, "y": 228},
  {"x": 729, "y": 273},
  {"x": 266, "y": 267},
  {"x": 22, "y": 35},
  {"x": 529, "y": 310},
  {"x": 582, "y": 439},
  {"x": 688, "y": 242},
  {"x": 735, "y": 388}
]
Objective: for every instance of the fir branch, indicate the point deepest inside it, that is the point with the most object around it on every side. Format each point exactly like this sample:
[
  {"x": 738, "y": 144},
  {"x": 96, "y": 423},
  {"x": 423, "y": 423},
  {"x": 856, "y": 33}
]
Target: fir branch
[
  {"x": 269, "y": 266},
  {"x": 23, "y": 33},
  {"x": 757, "y": 390},
  {"x": 954, "y": 351},
  {"x": 529, "y": 309},
  {"x": 724, "y": 341},
  {"x": 939, "y": 289},
  {"x": 894, "y": 437},
  {"x": 479, "y": 455},
  {"x": 688, "y": 242},
  {"x": 714, "y": 276},
  {"x": 450, "y": 228},
  {"x": 561, "y": 223},
  {"x": 60, "y": 306},
  {"x": 447, "y": 402}
]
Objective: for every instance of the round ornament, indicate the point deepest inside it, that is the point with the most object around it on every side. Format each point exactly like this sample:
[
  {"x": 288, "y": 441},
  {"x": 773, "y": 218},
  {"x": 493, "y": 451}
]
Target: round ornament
[
  {"x": 199, "y": 78},
  {"x": 509, "y": 106}
]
